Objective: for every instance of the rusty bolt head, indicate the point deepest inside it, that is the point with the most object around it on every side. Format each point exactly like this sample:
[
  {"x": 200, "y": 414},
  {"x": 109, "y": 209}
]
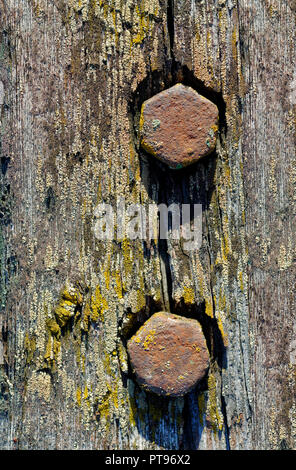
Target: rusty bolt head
[
  {"x": 178, "y": 126},
  {"x": 168, "y": 354}
]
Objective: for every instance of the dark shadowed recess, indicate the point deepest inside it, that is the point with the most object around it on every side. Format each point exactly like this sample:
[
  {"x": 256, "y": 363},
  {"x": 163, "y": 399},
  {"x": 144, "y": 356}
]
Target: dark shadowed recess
[{"x": 173, "y": 187}]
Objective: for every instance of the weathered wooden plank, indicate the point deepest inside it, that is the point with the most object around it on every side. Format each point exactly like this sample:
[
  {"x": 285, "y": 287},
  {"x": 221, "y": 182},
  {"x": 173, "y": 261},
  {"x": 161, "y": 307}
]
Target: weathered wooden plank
[
  {"x": 268, "y": 52},
  {"x": 212, "y": 30},
  {"x": 74, "y": 77}
]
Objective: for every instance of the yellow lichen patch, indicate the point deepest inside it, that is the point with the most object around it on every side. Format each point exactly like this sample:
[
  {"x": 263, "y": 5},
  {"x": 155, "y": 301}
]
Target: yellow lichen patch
[
  {"x": 98, "y": 305},
  {"x": 113, "y": 13},
  {"x": 148, "y": 147},
  {"x": 107, "y": 365},
  {"x": 216, "y": 417},
  {"x": 30, "y": 347},
  {"x": 225, "y": 242},
  {"x": 133, "y": 412},
  {"x": 86, "y": 317},
  {"x": 197, "y": 349},
  {"x": 220, "y": 318},
  {"x": 107, "y": 278},
  {"x": 73, "y": 296},
  {"x": 63, "y": 312},
  {"x": 188, "y": 295},
  {"x": 114, "y": 396},
  {"x": 83, "y": 363},
  {"x": 78, "y": 396},
  {"x": 69, "y": 300},
  {"x": 141, "y": 300},
  {"x": 209, "y": 308},
  {"x": 53, "y": 327},
  {"x": 149, "y": 339},
  {"x": 86, "y": 395},
  {"x": 215, "y": 128},
  {"x": 221, "y": 302},
  {"x": 226, "y": 174},
  {"x": 118, "y": 286},
  {"x": 108, "y": 402},
  {"x": 142, "y": 25},
  {"x": 141, "y": 122},
  {"x": 240, "y": 275},
  {"x": 103, "y": 408}
]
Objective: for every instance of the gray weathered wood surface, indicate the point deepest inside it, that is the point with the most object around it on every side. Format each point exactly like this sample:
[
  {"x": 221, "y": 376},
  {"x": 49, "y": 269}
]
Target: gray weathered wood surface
[{"x": 73, "y": 76}]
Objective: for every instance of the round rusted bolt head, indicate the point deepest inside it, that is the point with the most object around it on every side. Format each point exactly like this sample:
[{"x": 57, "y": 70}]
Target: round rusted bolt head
[
  {"x": 178, "y": 126},
  {"x": 168, "y": 354}
]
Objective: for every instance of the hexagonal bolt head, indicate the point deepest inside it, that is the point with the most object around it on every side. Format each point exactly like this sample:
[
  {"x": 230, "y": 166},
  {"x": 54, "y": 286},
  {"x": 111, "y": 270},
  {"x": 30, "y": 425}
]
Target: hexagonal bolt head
[
  {"x": 168, "y": 354},
  {"x": 178, "y": 126}
]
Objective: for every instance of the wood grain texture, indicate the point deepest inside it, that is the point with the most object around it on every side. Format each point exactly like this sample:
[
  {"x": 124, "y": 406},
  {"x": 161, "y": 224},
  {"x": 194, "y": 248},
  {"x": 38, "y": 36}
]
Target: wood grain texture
[
  {"x": 269, "y": 181},
  {"x": 73, "y": 77}
]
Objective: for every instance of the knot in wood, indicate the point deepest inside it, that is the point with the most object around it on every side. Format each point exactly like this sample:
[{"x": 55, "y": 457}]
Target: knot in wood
[
  {"x": 178, "y": 126},
  {"x": 168, "y": 354}
]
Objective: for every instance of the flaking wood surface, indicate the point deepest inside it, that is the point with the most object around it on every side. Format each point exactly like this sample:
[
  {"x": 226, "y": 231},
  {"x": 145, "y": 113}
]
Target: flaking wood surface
[{"x": 74, "y": 74}]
